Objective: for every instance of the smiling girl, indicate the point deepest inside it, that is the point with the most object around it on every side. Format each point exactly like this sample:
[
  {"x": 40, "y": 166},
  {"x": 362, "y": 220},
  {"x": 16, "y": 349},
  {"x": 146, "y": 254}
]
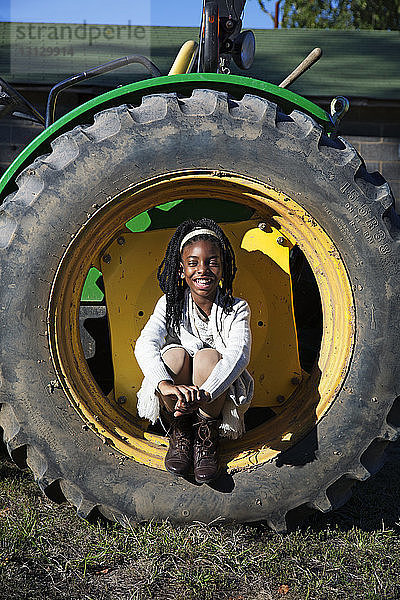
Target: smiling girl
[{"x": 194, "y": 350}]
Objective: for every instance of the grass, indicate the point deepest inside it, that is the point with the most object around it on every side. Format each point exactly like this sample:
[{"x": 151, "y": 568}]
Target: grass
[{"x": 47, "y": 552}]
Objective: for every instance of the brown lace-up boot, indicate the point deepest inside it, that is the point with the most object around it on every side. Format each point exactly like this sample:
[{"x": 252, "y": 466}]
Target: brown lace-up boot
[
  {"x": 179, "y": 457},
  {"x": 205, "y": 449}
]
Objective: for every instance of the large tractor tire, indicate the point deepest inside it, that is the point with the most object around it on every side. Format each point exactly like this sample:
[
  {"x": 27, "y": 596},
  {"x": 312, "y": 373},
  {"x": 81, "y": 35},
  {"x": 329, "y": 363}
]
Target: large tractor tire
[{"x": 71, "y": 204}]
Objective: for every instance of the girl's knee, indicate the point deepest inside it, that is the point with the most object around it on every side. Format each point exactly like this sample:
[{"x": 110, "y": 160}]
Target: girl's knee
[
  {"x": 204, "y": 362},
  {"x": 176, "y": 359}
]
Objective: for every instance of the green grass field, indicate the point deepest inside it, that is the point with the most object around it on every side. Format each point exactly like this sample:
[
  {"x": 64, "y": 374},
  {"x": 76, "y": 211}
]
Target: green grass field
[{"x": 47, "y": 552}]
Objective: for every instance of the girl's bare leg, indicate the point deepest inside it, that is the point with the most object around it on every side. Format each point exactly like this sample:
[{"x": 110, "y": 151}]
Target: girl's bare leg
[
  {"x": 179, "y": 457},
  {"x": 204, "y": 362},
  {"x": 179, "y": 363},
  {"x": 206, "y": 429}
]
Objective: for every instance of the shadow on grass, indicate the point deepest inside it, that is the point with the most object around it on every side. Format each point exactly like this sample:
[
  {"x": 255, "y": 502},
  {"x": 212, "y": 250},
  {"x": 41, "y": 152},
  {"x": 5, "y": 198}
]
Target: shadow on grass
[{"x": 3, "y": 448}]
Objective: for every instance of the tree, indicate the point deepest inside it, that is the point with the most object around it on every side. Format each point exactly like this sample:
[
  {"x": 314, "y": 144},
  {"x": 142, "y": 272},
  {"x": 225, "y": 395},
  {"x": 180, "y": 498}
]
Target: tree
[
  {"x": 342, "y": 14},
  {"x": 265, "y": 10}
]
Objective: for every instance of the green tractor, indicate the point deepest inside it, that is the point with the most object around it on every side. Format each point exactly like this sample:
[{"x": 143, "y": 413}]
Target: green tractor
[{"x": 87, "y": 209}]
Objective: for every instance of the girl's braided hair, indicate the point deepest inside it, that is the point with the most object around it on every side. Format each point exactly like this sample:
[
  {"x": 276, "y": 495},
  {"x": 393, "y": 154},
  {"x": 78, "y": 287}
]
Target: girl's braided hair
[{"x": 168, "y": 273}]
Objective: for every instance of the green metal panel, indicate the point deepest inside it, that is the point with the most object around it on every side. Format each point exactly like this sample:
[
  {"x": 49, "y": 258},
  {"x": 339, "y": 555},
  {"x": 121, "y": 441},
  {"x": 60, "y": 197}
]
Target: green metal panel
[
  {"x": 237, "y": 86},
  {"x": 91, "y": 291}
]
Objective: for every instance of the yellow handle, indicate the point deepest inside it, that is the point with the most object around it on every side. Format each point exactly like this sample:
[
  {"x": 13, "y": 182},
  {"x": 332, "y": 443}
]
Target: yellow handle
[{"x": 184, "y": 58}]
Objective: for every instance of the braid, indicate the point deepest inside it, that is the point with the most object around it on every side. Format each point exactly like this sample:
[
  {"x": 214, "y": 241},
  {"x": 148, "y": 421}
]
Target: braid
[{"x": 174, "y": 286}]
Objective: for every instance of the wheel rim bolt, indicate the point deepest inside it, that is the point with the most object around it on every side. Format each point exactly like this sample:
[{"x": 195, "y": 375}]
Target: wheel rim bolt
[
  {"x": 122, "y": 399},
  {"x": 107, "y": 258},
  {"x": 121, "y": 240},
  {"x": 280, "y": 399},
  {"x": 295, "y": 380},
  {"x": 280, "y": 240},
  {"x": 262, "y": 226}
]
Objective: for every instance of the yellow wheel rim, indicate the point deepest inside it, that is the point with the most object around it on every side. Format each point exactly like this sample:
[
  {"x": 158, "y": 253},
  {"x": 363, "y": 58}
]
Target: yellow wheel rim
[{"x": 310, "y": 400}]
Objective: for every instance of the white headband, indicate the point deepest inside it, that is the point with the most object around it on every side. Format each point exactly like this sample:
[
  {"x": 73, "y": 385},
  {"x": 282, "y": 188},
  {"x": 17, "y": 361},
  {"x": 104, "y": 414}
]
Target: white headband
[{"x": 197, "y": 231}]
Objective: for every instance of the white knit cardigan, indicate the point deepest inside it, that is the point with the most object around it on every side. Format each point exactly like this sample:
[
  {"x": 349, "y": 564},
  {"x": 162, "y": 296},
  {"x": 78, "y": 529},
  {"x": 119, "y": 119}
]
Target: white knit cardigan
[{"x": 232, "y": 338}]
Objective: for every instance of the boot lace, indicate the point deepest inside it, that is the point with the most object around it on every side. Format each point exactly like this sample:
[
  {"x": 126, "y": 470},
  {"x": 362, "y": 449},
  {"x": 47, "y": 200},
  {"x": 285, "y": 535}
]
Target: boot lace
[
  {"x": 205, "y": 444},
  {"x": 182, "y": 441}
]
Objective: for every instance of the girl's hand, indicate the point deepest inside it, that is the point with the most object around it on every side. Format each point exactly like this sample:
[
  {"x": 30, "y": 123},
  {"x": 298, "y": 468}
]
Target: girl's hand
[
  {"x": 182, "y": 407},
  {"x": 187, "y": 397}
]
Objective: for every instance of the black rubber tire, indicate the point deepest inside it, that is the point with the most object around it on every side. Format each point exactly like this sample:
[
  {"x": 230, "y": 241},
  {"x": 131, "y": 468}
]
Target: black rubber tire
[
  {"x": 165, "y": 133},
  {"x": 211, "y": 38}
]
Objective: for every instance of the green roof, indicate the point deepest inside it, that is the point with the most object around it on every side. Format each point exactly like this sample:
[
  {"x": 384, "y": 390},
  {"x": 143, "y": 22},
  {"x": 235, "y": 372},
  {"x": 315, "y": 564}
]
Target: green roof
[{"x": 355, "y": 63}]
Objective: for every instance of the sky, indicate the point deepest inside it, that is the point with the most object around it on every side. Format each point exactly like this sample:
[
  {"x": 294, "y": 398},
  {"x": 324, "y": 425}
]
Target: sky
[{"x": 135, "y": 12}]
